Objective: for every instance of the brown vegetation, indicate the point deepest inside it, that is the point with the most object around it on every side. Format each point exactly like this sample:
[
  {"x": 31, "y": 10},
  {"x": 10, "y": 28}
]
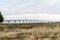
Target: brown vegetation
[
  {"x": 32, "y": 31},
  {"x": 33, "y": 37}
]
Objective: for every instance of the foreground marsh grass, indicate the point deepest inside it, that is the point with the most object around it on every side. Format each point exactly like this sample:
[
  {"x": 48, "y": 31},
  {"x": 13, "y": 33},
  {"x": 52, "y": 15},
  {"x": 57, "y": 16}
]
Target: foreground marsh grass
[{"x": 34, "y": 31}]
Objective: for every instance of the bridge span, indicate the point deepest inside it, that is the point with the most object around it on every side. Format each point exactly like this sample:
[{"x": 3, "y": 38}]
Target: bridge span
[{"x": 22, "y": 21}]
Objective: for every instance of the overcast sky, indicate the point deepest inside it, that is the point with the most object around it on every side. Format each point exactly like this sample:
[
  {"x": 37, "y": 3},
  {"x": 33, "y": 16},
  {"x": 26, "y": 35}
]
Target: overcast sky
[{"x": 31, "y": 9}]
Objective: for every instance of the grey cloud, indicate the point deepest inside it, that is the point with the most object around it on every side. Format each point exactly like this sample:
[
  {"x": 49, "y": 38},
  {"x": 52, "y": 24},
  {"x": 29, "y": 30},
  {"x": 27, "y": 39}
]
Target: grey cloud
[
  {"x": 20, "y": 7},
  {"x": 30, "y": 6}
]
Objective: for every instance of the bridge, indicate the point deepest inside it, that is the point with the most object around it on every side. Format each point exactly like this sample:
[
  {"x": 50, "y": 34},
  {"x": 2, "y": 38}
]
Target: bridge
[{"x": 22, "y": 21}]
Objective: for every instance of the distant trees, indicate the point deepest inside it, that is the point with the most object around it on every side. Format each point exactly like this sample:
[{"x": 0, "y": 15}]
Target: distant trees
[{"x": 1, "y": 18}]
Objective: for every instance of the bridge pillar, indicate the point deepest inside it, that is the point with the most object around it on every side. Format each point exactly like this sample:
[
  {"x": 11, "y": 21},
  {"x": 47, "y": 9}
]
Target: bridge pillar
[
  {"x": 15, "y": 21},
  {"x": 8, "y": 21}
]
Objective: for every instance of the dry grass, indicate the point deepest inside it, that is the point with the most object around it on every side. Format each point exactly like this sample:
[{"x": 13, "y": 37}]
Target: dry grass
[
  {"x": 33, "y": 37},
  {"x": 34, "y": 31}
]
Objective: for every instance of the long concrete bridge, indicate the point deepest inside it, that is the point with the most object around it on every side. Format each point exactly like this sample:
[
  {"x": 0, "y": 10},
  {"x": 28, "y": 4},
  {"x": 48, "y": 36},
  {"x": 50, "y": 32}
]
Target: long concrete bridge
[{"x": 22, "y": 21}]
